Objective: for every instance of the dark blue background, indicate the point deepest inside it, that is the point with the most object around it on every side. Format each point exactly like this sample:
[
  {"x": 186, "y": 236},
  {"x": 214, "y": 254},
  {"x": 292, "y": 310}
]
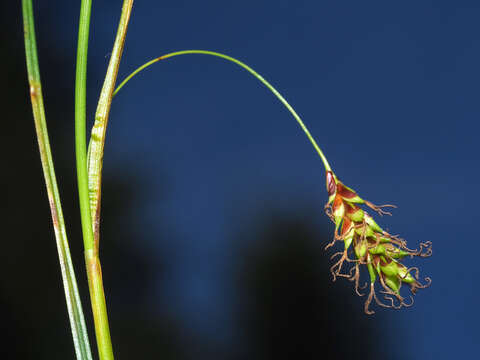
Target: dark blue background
[{"x": 390, "y": 90}]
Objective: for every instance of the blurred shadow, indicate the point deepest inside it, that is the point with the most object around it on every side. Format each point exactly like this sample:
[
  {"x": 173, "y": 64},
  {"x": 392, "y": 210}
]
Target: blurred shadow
[{"x": 294, "y": 311}]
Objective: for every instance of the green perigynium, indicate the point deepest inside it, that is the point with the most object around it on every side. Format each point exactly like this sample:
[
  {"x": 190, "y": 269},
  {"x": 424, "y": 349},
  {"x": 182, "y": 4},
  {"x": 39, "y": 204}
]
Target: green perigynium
[{"x": 372, "y": 248}]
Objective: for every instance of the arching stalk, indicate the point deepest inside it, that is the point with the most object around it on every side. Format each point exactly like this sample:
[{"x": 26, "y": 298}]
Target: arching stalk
[{"x": 244, "y": 66}]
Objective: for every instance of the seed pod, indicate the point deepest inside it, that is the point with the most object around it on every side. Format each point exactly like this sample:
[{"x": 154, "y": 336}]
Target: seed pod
[
  {"x": 390, "y": 269},
  {"x": 354, "y": 213},
  {"x": 377, "y": 250},
  {"x": 394, "y": 252},
  {"x": 384, "y": 240},
  {"x": 405, "y": 276},
  {"x": 365, "y": 231},
  {"x": 393, "y": 282},
  {"x": 373, "y": 224},
  {"x": 361, "y": 249}
]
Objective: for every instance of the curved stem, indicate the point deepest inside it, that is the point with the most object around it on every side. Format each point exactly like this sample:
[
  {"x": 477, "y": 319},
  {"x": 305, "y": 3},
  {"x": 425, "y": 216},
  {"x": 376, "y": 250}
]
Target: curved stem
[{"x": 250, "y": 70}]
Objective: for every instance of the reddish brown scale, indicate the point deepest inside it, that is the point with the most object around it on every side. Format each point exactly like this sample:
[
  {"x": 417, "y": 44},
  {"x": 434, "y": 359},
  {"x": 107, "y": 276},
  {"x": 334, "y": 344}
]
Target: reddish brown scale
[
  {"x": 337, "y": 203},
  {"x": 345, "y": 226},
  {"x": 331, "y": 185},
  {"x": 344, "y": 192},
  {"x": 351, "y": 209}
]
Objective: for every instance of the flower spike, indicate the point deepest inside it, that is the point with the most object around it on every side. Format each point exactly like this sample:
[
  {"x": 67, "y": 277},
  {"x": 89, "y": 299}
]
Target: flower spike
[
  {"x": 371, "y": 246},
  {"x": 365, "y": 243}
]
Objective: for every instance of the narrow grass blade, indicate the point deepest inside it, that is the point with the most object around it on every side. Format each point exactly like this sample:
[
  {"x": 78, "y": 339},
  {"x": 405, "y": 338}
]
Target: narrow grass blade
[{"x": 74, "y": 306}]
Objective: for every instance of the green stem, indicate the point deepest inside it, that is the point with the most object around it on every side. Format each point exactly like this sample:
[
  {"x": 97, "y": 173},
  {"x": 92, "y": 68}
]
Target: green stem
[
  {"x": 95, "y": 284},
  {"x": 250, "y": 70},
  {"x": 80, "y": 122},
  {"x": 97, "y": 143},
  {"x": 94, "y": 169},
  {"x": 74, "y": 305}
]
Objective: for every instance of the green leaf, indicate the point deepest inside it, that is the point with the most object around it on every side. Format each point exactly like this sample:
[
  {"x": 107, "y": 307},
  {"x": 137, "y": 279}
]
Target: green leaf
[{"x": 74, "y": 306}]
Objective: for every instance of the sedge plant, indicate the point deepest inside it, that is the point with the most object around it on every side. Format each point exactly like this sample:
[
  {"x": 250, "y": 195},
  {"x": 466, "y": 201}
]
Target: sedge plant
[{"x": 366, "y": 247}]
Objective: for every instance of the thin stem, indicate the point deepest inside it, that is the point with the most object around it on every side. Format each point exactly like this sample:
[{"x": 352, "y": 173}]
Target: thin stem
[
  {"x": 95, "y": 284},
  {"x": 94, "y": 167},
  {"x": 80, "y": 122},
  {"x": 97, "y": 140},
  {"x": 74, "y": 305},
  {"x": 250, "y": 70}
]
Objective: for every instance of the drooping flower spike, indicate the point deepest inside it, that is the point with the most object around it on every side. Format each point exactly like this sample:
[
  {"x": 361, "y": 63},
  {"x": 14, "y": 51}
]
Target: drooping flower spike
[{"x": 372, "y": 248}]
